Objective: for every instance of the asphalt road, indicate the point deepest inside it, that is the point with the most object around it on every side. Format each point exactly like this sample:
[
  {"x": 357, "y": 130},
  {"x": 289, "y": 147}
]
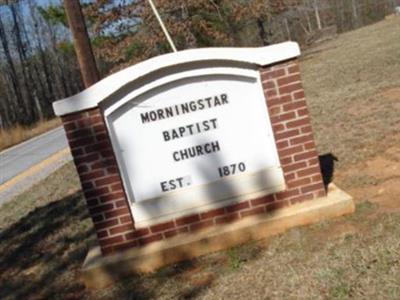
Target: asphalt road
[{"x": 25, "y": 156}]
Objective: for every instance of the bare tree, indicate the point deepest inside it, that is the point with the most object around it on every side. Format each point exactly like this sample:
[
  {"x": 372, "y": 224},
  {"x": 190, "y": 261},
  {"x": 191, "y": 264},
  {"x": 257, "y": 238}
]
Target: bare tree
[
  {"x": 317, "y": 16},
  {"x": 12, "y": 72},
  {"x": 40, "y": 49},
  {"x": 30, "y": 92}
]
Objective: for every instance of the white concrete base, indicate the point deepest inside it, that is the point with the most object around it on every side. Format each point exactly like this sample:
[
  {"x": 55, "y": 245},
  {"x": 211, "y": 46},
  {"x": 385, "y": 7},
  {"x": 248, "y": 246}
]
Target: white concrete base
[{"x": 101, "y": 271}]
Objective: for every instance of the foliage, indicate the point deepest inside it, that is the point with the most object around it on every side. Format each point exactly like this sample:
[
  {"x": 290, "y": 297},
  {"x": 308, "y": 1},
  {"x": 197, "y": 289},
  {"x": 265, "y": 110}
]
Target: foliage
[
  {"x": 38, "y": 64},
  {"x": 53, "y": 15}
]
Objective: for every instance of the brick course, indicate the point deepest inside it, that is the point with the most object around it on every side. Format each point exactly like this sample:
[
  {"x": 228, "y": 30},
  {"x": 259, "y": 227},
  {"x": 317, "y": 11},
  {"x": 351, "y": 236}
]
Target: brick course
[{"x": 102, "y": 184}]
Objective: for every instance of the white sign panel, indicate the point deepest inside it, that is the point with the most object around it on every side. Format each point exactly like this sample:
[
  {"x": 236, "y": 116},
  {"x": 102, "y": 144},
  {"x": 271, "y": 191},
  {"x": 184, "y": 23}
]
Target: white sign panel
[
  {"x": 190, "y": 130},
  {"x": 194, "y": 133}
]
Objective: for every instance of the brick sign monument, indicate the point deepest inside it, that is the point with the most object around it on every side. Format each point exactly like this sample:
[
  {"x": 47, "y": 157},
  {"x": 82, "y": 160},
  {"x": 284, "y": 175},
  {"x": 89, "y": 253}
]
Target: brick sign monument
[{"x": 193, "y": 152}]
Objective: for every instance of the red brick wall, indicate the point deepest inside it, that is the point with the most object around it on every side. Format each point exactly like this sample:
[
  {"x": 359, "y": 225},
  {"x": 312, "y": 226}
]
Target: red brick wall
[
  {"x": 99, "y": 175},
  {"x": 293, "y": 133},
  {"x": 107, "y": 202}
]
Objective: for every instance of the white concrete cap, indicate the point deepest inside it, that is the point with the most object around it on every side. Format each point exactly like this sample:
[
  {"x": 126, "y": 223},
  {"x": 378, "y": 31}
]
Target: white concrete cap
[{"x": 91, "y": 97}]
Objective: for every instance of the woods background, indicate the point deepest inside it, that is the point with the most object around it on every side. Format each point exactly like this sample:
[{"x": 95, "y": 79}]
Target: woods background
[{"x": 38, "y": 64}]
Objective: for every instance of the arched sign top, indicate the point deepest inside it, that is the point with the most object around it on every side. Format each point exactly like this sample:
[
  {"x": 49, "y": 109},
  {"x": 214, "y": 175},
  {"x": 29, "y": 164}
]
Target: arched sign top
[
  {"x": 106, "y": 88},
  {"x": 192, "y": 137}
]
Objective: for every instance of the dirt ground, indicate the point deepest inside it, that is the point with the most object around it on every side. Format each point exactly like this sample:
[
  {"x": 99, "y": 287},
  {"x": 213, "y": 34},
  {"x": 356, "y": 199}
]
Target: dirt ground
[
  {"x": 376, "y": 180},
  {"x": 353, "y": 90}
]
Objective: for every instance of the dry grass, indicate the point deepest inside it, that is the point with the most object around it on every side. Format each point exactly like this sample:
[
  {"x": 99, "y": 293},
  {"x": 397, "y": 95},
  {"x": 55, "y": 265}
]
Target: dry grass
[
  {"x": 346, "y": 86},
  {"x": 44, "y": 240},
  {"x": 18, "y": 134},
  {"x": 353, "y": 89},
  {"x": 346, "y": 258}
]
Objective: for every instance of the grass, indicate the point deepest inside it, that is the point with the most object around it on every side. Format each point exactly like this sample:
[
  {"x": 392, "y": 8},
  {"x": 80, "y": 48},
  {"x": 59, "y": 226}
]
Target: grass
[
  {"x": 353, "y": 87},
  {"x": 44, "y": 241},
  {"x": 17, "y": 134},
  {"x": 45, "y": 234},
  {"x": 348, "y": 86}
]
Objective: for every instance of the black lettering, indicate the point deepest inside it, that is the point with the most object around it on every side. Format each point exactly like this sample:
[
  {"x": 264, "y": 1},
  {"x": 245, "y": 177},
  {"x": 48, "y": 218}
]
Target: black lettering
[
  {"x": 193, "y": 105},
  {"x": 160, "y": 114},
  {"x": 199, "y": 150},
  {"x": 181, "y": 131},
  {"x": 163, "y": 186},
  {"x": 214, "y": 123},
  {"x": 206, "y": 126},
  {"x": 207, "y": 148},
  {"x": 185, "y": 108},
  {"x": 145, "y": 117},
  {"x": 179, "y": 180},
  {"x": 169, "y": 112},
  {"x": 153, "y": 115},
  {"x": 190, "y": 127},
  {"x": 216, "y": 101},
  {"x": 174, "y": 134},
  {"x": 224, "y": 98},
  {"x": 184, "y": 154},
  {"x": 215, "y": 146},
  {"x": 175, "y": 155},
  {"x": 196, "y": 151},
  {"x": 200, "y": 104},
  {"x": 172, "y": 185},
  {"x": 192, "y": 152},
  {"x": 198, "y": 127},
  {"x": 166, "y": 136}
]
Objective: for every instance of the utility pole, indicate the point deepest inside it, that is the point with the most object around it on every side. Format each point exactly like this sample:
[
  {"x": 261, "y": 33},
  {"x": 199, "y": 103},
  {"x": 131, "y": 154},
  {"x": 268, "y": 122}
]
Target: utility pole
[
  {"x": 164, "y": 29},
  {"x": 83, "y": 48}
]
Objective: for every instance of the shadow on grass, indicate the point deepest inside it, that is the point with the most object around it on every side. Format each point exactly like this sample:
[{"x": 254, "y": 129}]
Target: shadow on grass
[
  {"x": 190, "y": 278},
  {"x": 40, "y": 253}
]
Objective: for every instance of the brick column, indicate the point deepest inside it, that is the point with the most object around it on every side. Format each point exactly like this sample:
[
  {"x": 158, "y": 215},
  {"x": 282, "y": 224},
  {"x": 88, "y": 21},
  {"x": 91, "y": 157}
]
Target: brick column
[
  {"x": 107, "y": 202},
  {"x": 293, "y": 133},
  {"x": 100, "y": 179}
]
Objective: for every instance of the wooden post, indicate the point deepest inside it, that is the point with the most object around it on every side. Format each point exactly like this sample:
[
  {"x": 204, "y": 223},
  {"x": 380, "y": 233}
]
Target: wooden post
[{"x": 82, "y": 44}]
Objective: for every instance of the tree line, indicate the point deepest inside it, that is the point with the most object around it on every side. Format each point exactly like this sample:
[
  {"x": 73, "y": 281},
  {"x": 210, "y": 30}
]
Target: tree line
[{"x": 38, "y": 64}]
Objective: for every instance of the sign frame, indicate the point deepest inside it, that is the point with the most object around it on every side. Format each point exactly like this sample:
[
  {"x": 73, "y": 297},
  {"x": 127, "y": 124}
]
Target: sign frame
[{"x": 204, "y": 197}]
